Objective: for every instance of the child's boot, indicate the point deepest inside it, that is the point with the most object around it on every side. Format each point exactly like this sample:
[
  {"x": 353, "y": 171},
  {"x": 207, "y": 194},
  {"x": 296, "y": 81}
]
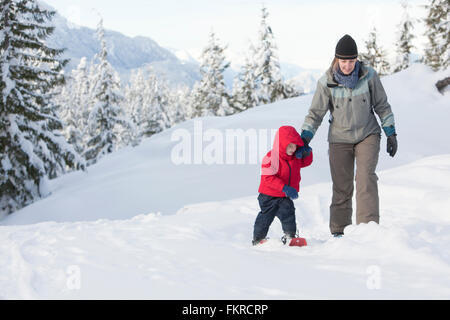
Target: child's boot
[
  {"x": 293, "y": 240},
  {"x": 260, "y": 241},
  {"x": 287, "y": 237}
]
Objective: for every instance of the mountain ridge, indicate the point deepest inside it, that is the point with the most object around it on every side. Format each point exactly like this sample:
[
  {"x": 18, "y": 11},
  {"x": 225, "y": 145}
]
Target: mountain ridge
[{"x": 126, "y": 54}]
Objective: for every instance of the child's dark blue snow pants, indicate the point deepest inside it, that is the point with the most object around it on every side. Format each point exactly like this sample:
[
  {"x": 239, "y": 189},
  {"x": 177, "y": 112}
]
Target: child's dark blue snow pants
[{"x": 283, "y": 208}]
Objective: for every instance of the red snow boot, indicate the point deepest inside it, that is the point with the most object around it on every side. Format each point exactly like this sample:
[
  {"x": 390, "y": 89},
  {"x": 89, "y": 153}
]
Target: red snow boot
[
  {"x": 293, "y": 240},
  {"x": 298, "y": 242}
]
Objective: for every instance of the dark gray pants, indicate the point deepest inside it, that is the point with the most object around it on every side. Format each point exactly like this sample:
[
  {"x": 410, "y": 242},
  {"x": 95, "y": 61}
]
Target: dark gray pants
[
  {"x": 342, "y": 164},
  {"x": 272, "y": 207}
]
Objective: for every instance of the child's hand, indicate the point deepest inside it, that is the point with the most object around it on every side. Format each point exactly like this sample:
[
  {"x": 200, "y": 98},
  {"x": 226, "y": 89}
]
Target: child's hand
[
  {"x": 303, "y": 152},
  {"x": 290, "y": 192}
]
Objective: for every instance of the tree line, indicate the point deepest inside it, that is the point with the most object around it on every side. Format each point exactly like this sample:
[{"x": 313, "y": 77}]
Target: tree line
[{"x": 436, "y": 53}]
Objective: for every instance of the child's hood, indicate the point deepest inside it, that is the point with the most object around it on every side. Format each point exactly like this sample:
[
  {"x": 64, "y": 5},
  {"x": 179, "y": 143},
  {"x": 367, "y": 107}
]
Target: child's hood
[{"x": 284, "y": 136}]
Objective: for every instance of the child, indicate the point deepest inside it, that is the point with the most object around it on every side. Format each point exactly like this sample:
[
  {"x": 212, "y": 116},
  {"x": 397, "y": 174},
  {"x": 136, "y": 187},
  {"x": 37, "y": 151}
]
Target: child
[{"x": 280, "y": 179}]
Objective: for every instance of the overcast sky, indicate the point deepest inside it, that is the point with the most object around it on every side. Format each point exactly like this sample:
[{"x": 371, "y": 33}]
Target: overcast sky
[{"x": 306, "y": 32}]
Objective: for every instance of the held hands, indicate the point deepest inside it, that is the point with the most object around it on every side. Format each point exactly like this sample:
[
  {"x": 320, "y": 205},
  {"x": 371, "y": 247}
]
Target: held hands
[
  {"x": 303, "y": 152},
  {"x": 392, "y": 145},
  {"x": 290, "y": 192}
]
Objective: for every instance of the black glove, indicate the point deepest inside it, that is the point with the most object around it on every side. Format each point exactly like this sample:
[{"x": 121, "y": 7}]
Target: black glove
[
  {"x": 290, "y": 192},
  {"x": 392, "y": 145}
]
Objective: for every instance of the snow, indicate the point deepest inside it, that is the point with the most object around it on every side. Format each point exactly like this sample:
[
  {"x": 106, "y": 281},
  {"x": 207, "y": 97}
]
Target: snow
[
  {"x": 204, "y": 251},
  {"x": 138, "y": 226},
  {"x": 25, "y": 144},
  {"x": 9, "y": 84}
]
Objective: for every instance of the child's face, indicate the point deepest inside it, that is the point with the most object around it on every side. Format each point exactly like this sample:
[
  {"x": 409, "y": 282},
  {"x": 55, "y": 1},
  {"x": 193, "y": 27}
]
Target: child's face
[{"x": 290, "y": 149}]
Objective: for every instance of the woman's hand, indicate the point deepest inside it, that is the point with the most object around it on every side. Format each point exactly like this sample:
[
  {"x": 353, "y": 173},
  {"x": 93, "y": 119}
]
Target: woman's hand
[{"x": 392, "y": 145}]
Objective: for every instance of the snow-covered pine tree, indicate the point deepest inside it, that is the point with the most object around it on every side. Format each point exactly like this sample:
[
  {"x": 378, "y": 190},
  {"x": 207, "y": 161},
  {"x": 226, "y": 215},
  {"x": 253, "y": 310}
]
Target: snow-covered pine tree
[
  {"x": 437, "y": 53},
  {"x": 209, "y": 96},
  {"x": 157, "y": 104},
  {"x": 270, "y": 85},
  {"x": 178, "y": 110},
  {"x": 197, "y": 100},
  {"x": 135, "y": 93},
  {"x": 32, "y": 147},
  {"x": 245, "y": 84},
  {"x": 374, "y": 55},
  {"x": 173, "y": 102},
  {"x": 74, "y": 110},
  {"x": 404, "y": 40},
  {"x": 150, "y": 103},
  {"x": 107, "y": 124}
]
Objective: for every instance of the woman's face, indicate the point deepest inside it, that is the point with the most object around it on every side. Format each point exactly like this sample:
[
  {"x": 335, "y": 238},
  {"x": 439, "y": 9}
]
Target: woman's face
[{"x": 347, "y": 66}]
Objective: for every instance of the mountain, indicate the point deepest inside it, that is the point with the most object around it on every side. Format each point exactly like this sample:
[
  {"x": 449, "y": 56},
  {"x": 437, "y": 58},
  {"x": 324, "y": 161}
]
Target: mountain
[
  {"x": 141, "y": 224},
  {"x": 303, "y": 78},
  {"x": 178, "y": 66},
  {"x": 124, "y": 53}
]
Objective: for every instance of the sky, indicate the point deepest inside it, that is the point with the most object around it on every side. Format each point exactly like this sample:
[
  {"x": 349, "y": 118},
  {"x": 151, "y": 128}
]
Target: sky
[{"x": 306, "y": 32}]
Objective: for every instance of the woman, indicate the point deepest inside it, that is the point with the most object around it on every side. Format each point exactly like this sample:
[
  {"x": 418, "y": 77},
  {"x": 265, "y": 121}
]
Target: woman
[{"x": 353, "y": 93}]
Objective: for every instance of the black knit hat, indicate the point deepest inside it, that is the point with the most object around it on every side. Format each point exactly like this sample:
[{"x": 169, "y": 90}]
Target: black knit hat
[{"x": 346, "y": 48}]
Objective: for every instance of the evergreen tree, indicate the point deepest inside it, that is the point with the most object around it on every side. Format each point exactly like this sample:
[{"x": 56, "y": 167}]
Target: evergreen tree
[
  {"x": 178, "y": 109},
  {"x": 375, "y": 56},
  {"x": 245, "y": 85},
  {"x": 404, "y": 40},
  {"x": 32, "y": 148},
  {"x": 151, "y": 104},
  {"x": 106, "y": 116},
  {"x": 75, "y": 100},
  {"x": 157, "y": 104},
  {"x": 209, "y": 95},
  {"x": 437, "y": 54},
  {"x": 270, "y": 85},
  {"x": 134, "y": 101}
]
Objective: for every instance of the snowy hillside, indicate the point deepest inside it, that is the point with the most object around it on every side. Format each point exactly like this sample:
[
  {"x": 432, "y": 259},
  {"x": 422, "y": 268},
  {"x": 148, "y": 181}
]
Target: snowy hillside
[
  {"x": 204, "y": 251},
  {"x": 139, "y": 225},
  {"x": 145, "y": 179}
]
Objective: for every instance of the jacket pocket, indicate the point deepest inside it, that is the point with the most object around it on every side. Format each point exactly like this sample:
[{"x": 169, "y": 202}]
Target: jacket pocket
[
  {"x": 362, "y": 109},
  {"x": 341, "y": 115}
]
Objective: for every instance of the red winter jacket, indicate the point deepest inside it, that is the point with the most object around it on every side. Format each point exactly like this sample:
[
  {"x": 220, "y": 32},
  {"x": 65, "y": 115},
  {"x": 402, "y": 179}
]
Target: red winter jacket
[{"x": 278, "y": 168}]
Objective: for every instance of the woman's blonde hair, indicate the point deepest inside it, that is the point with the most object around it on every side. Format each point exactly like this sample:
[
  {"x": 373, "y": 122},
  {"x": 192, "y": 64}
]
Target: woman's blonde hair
[{"x": 335, "y": 64}]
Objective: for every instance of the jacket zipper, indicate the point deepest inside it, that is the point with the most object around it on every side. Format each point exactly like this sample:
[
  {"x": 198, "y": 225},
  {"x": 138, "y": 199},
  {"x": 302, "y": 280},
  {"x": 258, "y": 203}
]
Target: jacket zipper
[{"x": 289, "y": 183}]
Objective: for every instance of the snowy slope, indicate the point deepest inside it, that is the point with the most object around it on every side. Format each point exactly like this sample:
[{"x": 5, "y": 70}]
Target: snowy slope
[
  {"x": 144, "y": 179},
  {"x": 204, "y": 251}
]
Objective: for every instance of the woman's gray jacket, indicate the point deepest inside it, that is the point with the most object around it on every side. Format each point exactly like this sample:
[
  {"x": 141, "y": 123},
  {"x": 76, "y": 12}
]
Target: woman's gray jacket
[{"x": 352, "y": 111}]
